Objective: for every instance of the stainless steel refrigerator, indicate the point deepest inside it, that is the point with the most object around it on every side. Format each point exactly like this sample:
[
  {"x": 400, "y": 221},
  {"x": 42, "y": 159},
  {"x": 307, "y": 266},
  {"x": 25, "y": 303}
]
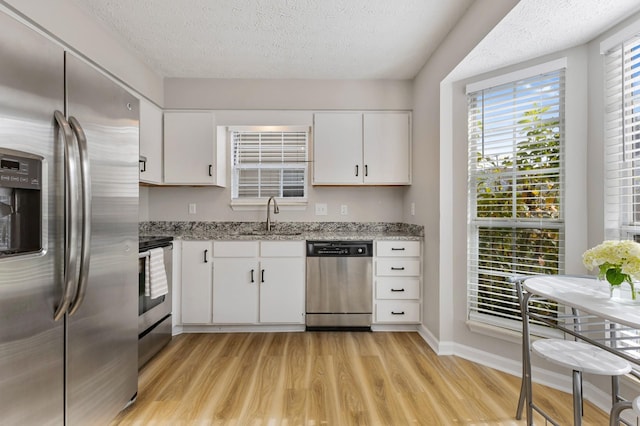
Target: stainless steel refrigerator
[{"x": 68, "y": 235}]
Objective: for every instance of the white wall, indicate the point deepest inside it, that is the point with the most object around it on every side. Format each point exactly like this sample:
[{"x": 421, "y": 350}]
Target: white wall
[
  {"x": 281, "y": 102},
  {"x": 287, "y": 94},
  {"x": 65, "y": 21},
  {"x": 432, "y": 206}
]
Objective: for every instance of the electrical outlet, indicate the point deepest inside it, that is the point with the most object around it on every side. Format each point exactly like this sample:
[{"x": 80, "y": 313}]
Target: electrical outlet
[
  {"x": 413, "y": 209},
  {"x": 344, "y": 210},
  {"x": 321, "y": 209},
  {"x": 192, "y": 208}
]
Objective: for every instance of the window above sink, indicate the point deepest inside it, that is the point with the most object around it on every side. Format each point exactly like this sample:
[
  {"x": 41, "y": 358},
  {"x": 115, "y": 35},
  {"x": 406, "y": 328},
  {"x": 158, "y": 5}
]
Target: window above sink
[{"x": 268, "y": 161}]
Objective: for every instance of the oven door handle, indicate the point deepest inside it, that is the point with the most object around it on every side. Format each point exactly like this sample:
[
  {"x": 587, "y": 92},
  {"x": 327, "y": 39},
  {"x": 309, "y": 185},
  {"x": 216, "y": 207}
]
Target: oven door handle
[{"x": 144, "y": 254}]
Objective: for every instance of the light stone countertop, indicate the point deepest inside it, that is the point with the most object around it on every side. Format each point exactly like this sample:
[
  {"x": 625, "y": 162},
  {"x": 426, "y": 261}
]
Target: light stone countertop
[{"x": 289, "y": 231}]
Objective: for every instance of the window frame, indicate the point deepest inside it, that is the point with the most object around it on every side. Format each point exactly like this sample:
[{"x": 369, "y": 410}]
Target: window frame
[
  {"x": 253, "y": 203},
  {"x": 475, "y": 223}
]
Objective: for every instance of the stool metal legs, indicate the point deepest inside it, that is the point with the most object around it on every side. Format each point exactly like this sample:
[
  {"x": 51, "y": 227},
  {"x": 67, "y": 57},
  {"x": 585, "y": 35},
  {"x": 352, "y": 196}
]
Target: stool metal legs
[{"x": 577, "y": 398}]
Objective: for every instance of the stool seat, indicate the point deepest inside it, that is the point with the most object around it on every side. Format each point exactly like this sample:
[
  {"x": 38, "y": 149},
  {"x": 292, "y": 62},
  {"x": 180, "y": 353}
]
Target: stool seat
[{"x": 580, "y": 356}]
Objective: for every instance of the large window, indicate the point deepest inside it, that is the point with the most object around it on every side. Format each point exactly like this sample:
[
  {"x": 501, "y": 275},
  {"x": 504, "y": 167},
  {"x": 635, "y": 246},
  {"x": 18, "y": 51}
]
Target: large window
[
  {"x": 622, "y": 134},
  {"x": 622, "y": 159},
  {"x": 515, "y": 172},
  {"x": 269, "y": 162}
]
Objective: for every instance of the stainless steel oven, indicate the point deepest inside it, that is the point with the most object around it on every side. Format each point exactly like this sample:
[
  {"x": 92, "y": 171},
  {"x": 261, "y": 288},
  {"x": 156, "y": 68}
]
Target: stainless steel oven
[{"x": 154, "y": 315}]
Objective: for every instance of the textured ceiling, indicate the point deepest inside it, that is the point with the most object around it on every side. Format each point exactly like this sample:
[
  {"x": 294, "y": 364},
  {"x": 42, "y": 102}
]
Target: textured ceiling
[
  {"x": 537, "y": 27},
  {"x": 303, "y": 39},
  {"x": 338, "y": 39}
]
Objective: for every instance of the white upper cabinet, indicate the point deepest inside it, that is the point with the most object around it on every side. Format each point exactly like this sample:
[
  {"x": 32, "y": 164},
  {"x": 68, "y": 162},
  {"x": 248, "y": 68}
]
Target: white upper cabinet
[
  {"x": 387, "y": 148},
  {"x": 150, "y": 143},
  {"x": 337, "y": 148},
  {"x": 191, "y": 152},
  {"x": 354, "y": 148}
]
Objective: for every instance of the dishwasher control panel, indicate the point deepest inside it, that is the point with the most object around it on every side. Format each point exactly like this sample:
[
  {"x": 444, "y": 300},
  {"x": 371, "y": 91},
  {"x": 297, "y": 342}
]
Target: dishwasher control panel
[{"x": 339, "y": 248}]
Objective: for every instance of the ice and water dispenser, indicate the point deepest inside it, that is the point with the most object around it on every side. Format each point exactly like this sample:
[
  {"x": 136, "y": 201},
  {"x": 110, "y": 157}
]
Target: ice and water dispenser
[{"x": 20, "y": 203}]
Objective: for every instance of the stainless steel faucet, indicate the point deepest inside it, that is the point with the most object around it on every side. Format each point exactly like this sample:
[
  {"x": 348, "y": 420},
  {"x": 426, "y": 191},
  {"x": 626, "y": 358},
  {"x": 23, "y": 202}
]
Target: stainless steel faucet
[{"x": 276, "y": 210}]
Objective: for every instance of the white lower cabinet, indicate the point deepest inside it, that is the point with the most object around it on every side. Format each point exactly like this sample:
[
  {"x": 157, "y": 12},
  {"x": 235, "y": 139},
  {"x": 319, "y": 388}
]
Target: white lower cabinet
[
  {"x": 258, "y": 282},
  {"x": 196, "y": 282},
  {"x": 235, "y": 291},
  {"x": 397, "y": 279},
  {"x": 282, "y": 290}
]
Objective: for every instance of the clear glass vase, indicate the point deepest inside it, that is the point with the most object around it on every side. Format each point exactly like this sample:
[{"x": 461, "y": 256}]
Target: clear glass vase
[{"x": 623, "y": 293}]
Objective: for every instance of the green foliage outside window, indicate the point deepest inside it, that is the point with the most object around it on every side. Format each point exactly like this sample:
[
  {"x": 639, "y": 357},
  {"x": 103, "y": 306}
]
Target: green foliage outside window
[{"x": 523, "y": 185}]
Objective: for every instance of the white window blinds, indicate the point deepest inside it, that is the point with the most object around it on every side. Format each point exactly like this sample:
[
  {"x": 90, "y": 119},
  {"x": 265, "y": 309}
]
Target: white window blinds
[
  {"x": 269, "y": 163},
  {"x": 515, "y": 172},
  {"x": 622, "y": 135}
]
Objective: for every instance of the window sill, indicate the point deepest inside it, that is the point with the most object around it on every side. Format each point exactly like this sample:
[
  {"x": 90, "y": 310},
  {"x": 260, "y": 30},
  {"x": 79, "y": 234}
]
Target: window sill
[
  {"x": 507, "y": 334},
  {"x": 258, "y": 205}
]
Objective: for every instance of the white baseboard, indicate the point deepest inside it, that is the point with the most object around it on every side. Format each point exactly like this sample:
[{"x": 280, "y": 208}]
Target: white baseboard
[{"x": 562, "y": 382}]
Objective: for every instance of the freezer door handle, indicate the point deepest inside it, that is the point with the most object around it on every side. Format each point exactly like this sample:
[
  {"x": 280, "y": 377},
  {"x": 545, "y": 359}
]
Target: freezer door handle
[
  {"x": 71, "y": 221},
  {"x": 85, "y": 180}
]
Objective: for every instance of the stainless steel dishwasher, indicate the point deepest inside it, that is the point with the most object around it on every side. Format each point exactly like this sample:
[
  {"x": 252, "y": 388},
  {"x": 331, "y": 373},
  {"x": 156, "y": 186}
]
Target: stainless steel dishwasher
[{"x": 339, "y": 285}]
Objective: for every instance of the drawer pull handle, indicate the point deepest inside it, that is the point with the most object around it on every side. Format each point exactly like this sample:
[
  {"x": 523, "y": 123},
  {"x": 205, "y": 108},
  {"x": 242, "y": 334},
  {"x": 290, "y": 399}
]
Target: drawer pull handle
[
  {"x": 262, "y": 276},
  {"x": 205, "y": 256},
  {"x": 397, "y": 248},
  {"x": 397, "y": 269},
  {"x": 395, "y": 290},
  {"x": 397, "y": 313},
  {"x": 252, "y": 280}
]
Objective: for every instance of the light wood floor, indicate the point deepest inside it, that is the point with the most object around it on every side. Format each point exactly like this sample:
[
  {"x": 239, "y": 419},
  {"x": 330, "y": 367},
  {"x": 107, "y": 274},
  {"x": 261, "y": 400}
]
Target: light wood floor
[{"x": 327, "y": 378}]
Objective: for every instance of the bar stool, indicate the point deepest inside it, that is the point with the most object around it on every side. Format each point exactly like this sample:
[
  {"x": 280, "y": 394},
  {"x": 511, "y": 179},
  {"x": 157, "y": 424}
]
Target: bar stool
[
  {"x": 618, "y": 408},
  {"x": 580, "y": 358}
]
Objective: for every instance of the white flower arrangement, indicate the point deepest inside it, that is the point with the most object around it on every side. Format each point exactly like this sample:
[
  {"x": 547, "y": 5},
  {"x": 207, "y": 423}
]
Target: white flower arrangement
[{"x": 618, "y": 262}]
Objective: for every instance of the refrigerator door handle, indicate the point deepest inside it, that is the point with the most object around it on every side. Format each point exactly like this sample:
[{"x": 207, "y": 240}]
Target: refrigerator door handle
[
  {"x": 71, "y": 223},
  {"x": 85, "y": 180}
]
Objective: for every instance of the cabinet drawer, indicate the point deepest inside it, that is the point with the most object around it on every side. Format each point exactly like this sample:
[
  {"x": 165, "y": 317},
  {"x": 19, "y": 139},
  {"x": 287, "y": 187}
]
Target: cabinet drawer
[
  {"x": 282, "y": 249},
  {"x": 398, "y": 248},
  {"x": 397, "y": 288},
  {"x": 398, "y": 268},
  {"x": 398, "y": 311},
  {"x": 235, "y": 249}
]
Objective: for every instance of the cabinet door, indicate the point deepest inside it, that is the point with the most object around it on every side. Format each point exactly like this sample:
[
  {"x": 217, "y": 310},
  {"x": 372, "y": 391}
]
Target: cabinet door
[
  {"x": 387, "y": 148},
  {"x": 282, "y": 290},
  {"x": 337, "y": 148},
  {"x": 150, "y": 142},
  {"x": 196, "y": 282},
  {"x": 189, "y": 141},
  {"x": 235, "y": 290}
]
